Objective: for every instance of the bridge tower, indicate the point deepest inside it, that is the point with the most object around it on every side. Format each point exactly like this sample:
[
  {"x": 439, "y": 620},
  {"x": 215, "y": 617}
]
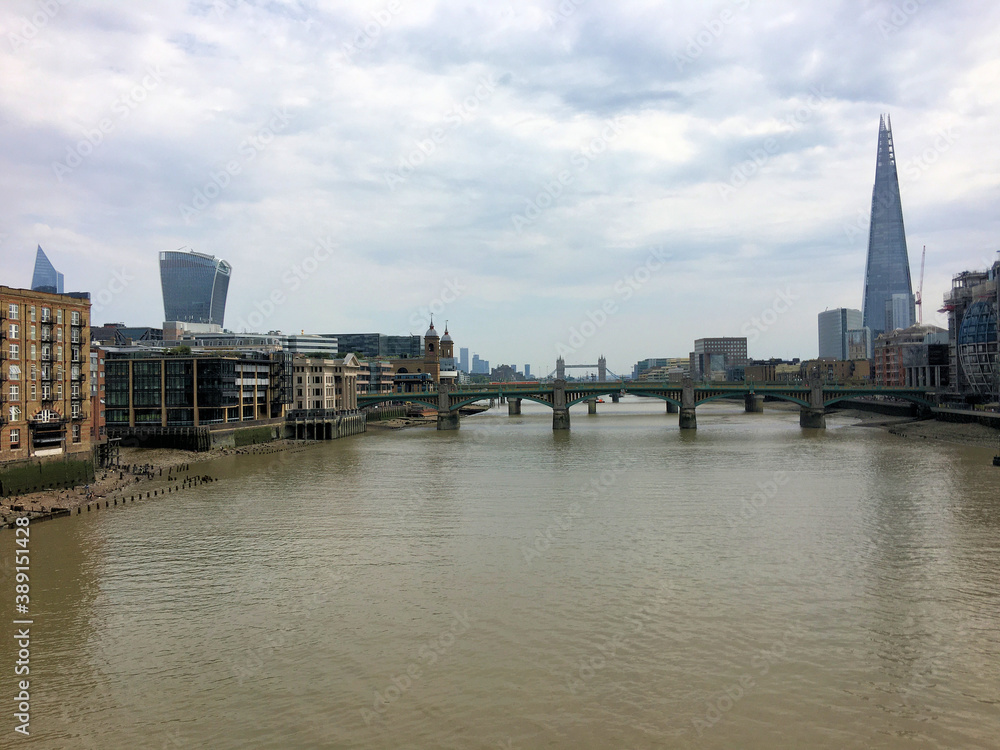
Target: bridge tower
[
  {"x": 602, "y": 369},
  {"x": 560, "y": 369}
]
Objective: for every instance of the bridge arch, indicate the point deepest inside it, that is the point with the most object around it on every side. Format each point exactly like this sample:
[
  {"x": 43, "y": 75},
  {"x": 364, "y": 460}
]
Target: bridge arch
[
  {"x": 781, "y": 396},
  {"x": 364, "y": 401},
  {"x": 661, "y": 397},
  {"x": 592, "y": 394},
  {"x": 911, "y": 397}
]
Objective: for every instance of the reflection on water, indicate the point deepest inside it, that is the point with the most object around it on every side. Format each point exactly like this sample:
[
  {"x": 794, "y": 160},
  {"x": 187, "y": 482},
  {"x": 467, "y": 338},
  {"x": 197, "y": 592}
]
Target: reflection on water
[{"x": 622, "y": 585}]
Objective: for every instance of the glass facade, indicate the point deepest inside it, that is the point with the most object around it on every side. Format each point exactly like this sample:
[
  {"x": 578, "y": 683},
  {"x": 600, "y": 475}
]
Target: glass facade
[
  {"x": 833, "y": 328},
  {"x": 194, "y": 287},
  {"x": 45, "y": 278},
  {"x": 887, "y": 271},
  {"x": 977, "y": 348}
]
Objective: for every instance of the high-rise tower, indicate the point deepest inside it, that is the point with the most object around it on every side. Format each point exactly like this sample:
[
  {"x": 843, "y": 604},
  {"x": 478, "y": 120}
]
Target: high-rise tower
[
  {"x": 194, "y": 287},
  {"x": 45, "y": 277},
  {"x": 887, "y": 271}
]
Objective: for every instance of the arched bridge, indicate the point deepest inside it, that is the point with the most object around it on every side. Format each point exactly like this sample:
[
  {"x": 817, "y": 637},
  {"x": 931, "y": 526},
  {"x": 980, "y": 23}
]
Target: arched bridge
[{"x": 812, "y": 398}]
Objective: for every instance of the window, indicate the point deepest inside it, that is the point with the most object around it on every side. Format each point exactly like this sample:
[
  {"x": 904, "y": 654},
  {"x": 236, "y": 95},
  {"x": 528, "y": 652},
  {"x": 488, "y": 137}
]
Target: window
[
  {"x": 13, "y": 330},
  {"x": 15, "y": 413},
  {"x": 59, "y": 334},
  {"x": 59, "y": 390},
  {"x": 15, "y": 392},
  {"x": 46, "y": 392},
  {"x": 76, "y": 354},
  {"x": 58, "y": 316},
  {"x": 46, "y": 315},
  {"x": 75, "y": 390},
  {"x": 34, "y": 332},
  {"x": 46, "y": 351},
  {"x": 34, "y": 352},
  {"x": 15, "y": 439},
  {"x": 75, "y": 411},
  {"x": 34, "y": 372},
  {"x": 15, "y": 351},
  {"x": 34, "y": 392},
  {"x": 74, "y": 318},
  {"x": 59, "y": 351},
  {"x": 12, "y": 309},
  {"x": 14, "y": 372},
  {"x": 76, "y": 433}
]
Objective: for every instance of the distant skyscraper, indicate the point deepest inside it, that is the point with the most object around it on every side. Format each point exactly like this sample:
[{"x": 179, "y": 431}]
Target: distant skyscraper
[
  {"x": 463, "y": 359},
  {"x": 527, "y": 371},
  {"x": 45, "y": 278},
  {"x": 194, "y": 287},
  {"x": 833, "y": 328},
  {"x": 887, "y": 271}
]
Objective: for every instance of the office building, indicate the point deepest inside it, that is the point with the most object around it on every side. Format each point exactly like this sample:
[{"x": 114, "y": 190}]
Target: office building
[
  {"x": 328, "y": 384},
  {"x": 914, "y": 356},
  {"x": 44, "y": 364},
  {"x": 463, "y": 359},
  {"x": 194, "y": 286},
  {"x": 887, "y": 270},
  {"x": 153, "y": 388},
  {"x": 972, "y": 306},
  {"x": 371, "y": 345},
  {"x": 45, "y": 277},
  {"x": 722, "y": 358},
  {"x": 833, "y": 329}
]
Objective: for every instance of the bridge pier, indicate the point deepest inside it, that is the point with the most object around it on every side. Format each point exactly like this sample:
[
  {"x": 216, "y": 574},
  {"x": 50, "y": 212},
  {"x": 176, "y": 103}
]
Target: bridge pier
[
  {"x": 754, "y": 404},
  {"x": 513, "y": 407},
  {"x": 812, "y": 418},
  {"x": 671, "y": 407},
  {"x": 560, "y": 412},
  {"x": 446, "y": 418},
  {"x": 814, "y": 415},
  {"x": 591, "y": 406},
  {"x": 687, "y": 419},
  {"x": 616, "y": 398}
]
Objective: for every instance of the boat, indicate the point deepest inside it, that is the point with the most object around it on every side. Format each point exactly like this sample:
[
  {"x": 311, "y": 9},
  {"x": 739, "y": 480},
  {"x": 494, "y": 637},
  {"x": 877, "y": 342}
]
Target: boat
[{"x": 600, "y": 400}]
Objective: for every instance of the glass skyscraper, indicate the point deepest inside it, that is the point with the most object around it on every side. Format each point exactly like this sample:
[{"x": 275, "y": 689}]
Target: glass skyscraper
[
  {"x": 194, "y": 287},
  {"x": 887, "y": 271},
  {"x": 45, "y": 278},
  {"x": 833, "y": 328}
]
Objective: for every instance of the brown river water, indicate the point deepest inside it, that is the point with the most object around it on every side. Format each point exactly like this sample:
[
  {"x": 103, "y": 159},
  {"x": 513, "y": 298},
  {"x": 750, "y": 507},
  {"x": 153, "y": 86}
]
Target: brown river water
[{"x": 622, "y": 585}]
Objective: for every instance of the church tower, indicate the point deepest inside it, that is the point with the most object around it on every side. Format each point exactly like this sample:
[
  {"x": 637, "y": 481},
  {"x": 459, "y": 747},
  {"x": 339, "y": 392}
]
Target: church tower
[{"x": 432, "y": 352}]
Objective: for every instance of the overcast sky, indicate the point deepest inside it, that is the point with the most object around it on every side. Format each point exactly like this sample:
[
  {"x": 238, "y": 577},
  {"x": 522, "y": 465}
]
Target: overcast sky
[{"x": 585, "y": 177}]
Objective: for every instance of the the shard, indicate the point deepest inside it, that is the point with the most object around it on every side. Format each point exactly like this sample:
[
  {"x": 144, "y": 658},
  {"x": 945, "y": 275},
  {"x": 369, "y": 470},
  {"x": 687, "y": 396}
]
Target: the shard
[
  {"x": 887, "y": 271},
  {"x": 45, "y": 278}
]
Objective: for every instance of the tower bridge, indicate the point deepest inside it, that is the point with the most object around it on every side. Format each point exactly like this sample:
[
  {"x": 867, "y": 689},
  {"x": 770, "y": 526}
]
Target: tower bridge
[{"x": 681, "y": 398}]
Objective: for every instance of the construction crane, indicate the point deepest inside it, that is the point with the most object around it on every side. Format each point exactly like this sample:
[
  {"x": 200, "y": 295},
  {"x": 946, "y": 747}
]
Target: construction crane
[{"x": 920, "y": 289}]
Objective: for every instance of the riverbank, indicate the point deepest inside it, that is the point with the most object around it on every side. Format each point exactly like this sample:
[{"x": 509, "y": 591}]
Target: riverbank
[{"x": 142, "y": 471}]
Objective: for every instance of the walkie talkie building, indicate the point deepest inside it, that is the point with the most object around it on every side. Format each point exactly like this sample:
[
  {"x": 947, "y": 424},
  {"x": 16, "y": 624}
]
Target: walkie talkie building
[
  {"x": 194, "y": 287},
  {"x": 887, "y": 271}
]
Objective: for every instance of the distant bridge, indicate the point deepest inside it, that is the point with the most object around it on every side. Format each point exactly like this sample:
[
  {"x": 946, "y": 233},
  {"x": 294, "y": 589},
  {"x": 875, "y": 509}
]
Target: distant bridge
[{"x": 812, "y": 398}]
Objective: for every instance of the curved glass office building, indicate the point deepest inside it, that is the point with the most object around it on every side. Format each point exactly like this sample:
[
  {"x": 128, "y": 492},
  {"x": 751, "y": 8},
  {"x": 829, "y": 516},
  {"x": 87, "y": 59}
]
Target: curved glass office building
[
  {"x": 977, "y": 348},
  {"x": 194, "y": 287}
]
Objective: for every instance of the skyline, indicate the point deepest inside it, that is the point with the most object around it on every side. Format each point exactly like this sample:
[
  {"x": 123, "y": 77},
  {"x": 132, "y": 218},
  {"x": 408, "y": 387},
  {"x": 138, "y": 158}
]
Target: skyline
[{"x": 509, "y": 168}]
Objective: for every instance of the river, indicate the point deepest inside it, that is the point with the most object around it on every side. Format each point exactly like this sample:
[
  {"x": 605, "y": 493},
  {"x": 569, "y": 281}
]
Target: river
[{"x": 622, "y": 585}]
